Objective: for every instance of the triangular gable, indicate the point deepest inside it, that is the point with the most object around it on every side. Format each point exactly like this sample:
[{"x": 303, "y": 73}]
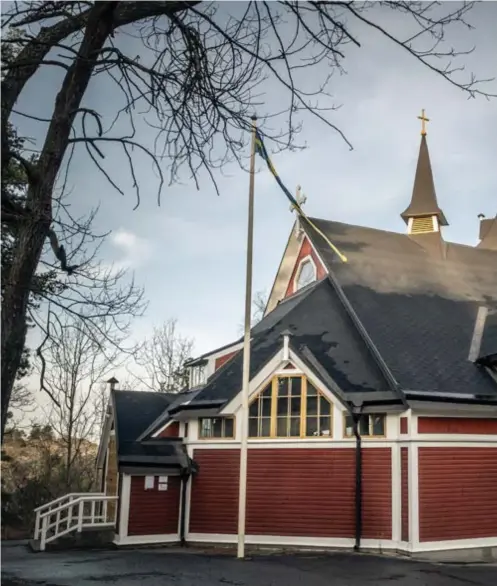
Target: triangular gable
[{"x": 298, "y": 247}]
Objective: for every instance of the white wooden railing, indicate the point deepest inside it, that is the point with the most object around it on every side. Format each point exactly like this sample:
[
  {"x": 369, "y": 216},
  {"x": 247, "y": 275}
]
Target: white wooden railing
[{"x": 72, "y": 513}]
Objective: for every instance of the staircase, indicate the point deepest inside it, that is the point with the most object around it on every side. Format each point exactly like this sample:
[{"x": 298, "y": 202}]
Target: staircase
[{"x": 70, "y": 515}]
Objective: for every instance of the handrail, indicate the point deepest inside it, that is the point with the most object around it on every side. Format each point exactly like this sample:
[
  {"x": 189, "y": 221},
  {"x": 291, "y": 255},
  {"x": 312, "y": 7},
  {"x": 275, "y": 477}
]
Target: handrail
[
  {"x": 66, "y": 496},
  {"x": 83, "y": 499},
  {"x": 55, "y": 522}
]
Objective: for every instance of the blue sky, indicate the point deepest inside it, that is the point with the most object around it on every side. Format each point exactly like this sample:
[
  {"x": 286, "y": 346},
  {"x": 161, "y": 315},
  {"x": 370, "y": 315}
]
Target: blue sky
[{"x": 189, "y": 253}]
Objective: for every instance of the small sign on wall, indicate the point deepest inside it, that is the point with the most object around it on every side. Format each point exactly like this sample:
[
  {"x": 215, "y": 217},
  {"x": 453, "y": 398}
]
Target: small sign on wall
[
  {"x": 162, "y": 483},
  {"x": 149, "y": 482}
]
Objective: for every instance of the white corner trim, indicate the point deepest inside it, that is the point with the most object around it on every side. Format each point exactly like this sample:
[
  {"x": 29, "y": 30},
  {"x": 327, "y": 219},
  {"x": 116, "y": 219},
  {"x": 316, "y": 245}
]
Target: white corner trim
[
  {"x": 124, "y": 499},
  {"x": 396, "y": 494},
  {"x": 456, "y": 544},
  {"x": 147, "y": 539},
  {"x": 413, "y": 493}
]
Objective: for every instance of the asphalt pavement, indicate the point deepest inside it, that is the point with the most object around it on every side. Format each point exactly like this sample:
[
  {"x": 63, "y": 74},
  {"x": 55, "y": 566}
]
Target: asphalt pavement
[{"x": 177, "y": 567}]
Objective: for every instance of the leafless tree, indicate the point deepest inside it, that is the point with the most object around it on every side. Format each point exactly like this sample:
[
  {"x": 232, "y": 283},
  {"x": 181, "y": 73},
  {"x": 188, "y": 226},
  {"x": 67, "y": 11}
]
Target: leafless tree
[
  {"x": 259, "y": 303},
  {"x": 161, "y": 359},
  {"x": 198, "y": 70},
  {"x": 72, "y": 367}
]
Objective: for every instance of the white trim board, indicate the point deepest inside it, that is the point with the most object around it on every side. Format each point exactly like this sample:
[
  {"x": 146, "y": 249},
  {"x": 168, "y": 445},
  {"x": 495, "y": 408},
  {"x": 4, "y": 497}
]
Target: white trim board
[
  {"x": 455, "y": 544},
  {"x": 147, "y": 539},
  {"x": 295, "y": 541}
]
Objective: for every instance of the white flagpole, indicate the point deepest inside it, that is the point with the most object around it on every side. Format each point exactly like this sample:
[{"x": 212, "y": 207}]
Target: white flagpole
[{"x": 242, "y": 493}]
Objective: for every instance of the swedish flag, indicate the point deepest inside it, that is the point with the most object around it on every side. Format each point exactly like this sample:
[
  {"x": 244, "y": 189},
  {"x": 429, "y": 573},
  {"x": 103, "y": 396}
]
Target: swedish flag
[{"x": 260, "y": 149}]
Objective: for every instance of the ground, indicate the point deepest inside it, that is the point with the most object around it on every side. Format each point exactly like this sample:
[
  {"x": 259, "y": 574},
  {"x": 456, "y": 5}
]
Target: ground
[{"x": 174, "y": 567}]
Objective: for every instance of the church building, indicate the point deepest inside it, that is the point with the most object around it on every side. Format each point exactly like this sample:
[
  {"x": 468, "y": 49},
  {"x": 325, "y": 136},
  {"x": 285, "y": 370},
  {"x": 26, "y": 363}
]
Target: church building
[{"x": 372, "y": 402}]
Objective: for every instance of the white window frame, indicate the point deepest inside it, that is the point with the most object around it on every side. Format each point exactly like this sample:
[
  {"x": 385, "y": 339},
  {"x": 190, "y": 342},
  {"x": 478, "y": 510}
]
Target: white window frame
[
  {"x": 302, "y": 262},
  {"x": 197, "y": 375}
]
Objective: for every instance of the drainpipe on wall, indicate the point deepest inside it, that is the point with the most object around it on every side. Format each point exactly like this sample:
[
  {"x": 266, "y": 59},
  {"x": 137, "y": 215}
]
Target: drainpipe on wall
[
  {"x": 358, "y": 480},
  {"x": 184, "y": 484}
]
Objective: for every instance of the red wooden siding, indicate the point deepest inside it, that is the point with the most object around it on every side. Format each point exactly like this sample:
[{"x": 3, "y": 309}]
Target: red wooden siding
[
  {"x": 457, "y": 425},
  {"x": 305, "y": 250},
  {"x": 309, "y": 492},
  {"x": 404, "y": 425},
  {"x": 214, "y": 496},
  {"x": 293, "y": 492},
  {"x": 404, "y": 487},
  {"x": 154, "y": 512},
  {"x": 222, "y": 359},
  {"x": 457, "y": 493},
  {"x": 172, "y": 430}
]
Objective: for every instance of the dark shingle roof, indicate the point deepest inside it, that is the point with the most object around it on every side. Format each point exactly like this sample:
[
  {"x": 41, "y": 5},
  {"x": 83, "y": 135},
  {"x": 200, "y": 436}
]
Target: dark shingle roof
[
  {"x": 134, "y": 411},
  {"x": 317, "y": 320},
  {"x": 419, "y": 309}
]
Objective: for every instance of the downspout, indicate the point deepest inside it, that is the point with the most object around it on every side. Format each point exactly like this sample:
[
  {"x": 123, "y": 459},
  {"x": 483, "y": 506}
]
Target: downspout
[
  {"x": 184, "y": 483},
  {"x": 358, "y": 480}
]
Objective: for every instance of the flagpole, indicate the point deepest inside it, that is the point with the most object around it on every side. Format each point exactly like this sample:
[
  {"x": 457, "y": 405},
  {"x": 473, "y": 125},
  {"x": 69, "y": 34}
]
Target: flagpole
[{"x": 242, "y": 491}]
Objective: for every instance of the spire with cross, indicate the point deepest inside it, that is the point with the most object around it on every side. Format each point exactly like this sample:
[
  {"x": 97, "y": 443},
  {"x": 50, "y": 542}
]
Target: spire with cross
[{"x": 424, "y": 120}]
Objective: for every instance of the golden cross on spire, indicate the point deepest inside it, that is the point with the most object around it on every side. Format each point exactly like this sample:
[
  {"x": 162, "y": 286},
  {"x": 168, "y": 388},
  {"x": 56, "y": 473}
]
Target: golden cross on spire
[{"x": 423, "y": 119}]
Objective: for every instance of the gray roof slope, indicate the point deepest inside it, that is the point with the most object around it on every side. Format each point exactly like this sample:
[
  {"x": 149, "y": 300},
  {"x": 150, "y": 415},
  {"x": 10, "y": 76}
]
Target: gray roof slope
[
  {"x": 134, "y": 411},
  {"x": 418, "y": 308},
  {"x": 317, "y": 320}
]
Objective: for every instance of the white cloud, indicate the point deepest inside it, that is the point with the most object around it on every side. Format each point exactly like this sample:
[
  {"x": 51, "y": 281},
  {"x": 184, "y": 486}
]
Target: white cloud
[{"x": 134, "y": 250}]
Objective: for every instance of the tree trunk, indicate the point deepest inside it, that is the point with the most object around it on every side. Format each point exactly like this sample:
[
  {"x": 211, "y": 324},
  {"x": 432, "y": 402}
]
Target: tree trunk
[
  {"x": 33, "y": 230},
  {"x": 15, "y": 301}
]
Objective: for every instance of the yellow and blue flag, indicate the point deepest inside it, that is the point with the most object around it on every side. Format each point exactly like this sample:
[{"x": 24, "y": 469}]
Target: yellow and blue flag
[{"x": 260, "y": 149}]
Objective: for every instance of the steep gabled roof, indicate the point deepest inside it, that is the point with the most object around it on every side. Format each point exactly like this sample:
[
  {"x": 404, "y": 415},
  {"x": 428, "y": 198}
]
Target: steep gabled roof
[
  {"x": 318, "y": 321},
  {"x": 134, "y": 411},
  {"x": 418, "y": 308},
  {"x": 424, "y": 198}
]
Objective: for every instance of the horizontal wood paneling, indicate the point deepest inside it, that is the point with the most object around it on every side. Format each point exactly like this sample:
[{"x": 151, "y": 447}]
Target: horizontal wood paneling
[
  {"x": 214, "y": 494},
  {"x": 306, "y": 492},
  {"x": 404, "y": 487},
  {"x": 154, "y": 512},
  {"x": 457, "y": 425},
  {"x": 223, "y": 359},
  {"x": 457, "y": 493},
  {"x": 293, "y": 492}
]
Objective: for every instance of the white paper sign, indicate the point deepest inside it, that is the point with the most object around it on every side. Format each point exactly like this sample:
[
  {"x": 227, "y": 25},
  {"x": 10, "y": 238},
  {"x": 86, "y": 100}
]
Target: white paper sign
[
  {"x": 163, "y": 486},
  {"x": 162, "y": 479},
  {"x": 149, "y": 482}
]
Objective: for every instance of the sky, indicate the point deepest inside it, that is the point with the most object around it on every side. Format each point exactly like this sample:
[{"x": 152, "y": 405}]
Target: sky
[{"x": 189, "y": 253}]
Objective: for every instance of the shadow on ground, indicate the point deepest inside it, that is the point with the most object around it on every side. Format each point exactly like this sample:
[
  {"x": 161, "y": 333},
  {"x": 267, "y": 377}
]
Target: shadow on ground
[{"x": 176, "y": 567}]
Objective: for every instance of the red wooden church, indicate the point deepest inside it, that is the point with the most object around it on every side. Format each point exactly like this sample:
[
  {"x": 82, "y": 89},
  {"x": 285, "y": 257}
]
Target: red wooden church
[{"x": 373, "y": 403}]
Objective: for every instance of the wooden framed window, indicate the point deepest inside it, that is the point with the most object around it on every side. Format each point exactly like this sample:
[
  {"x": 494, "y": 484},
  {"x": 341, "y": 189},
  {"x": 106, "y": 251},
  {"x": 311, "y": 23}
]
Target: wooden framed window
[
  {"x": 216, "y": 427},
  {"x": 290, "y": 407},
  {"x": 370, "y": 425}
]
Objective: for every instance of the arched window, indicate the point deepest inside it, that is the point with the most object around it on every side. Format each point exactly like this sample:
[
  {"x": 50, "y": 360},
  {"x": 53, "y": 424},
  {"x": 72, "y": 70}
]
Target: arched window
[
  {"x": 290, "y": 406},
  {"x": 306, "y": 273}
]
